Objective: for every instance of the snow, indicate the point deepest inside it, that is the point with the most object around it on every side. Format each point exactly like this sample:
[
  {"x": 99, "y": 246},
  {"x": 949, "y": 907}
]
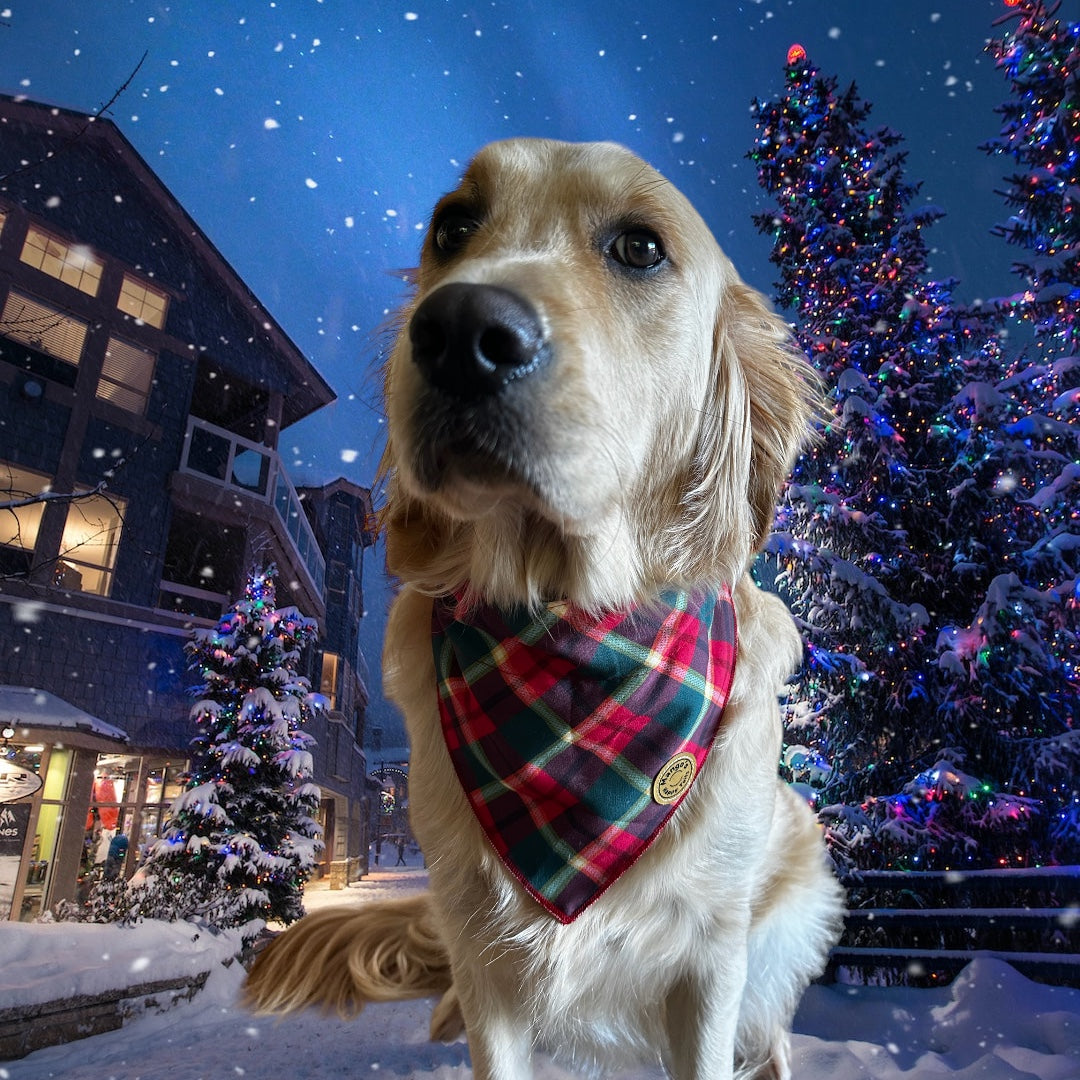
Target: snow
[
  {"x": 990, "y": 1024},
  {"x": 28, "y": 706},
  {"x": 50, "y": 961}
]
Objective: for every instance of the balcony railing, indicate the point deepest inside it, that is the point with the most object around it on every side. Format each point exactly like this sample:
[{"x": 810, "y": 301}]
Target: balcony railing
[{"x": 237, "y": 464}]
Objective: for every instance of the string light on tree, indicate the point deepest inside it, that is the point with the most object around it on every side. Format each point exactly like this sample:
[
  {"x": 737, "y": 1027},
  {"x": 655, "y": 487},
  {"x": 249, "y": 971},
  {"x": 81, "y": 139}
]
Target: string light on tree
[
  {"x": 245, "y": 823},
  {"x": 896, "y": 539}
]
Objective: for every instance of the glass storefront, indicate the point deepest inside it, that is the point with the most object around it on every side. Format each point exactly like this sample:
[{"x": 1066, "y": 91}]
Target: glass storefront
[
  {"x": 77, "y": 826},
  {"x": 130, "y": 799},
  {"x": 164, "y": 781}
]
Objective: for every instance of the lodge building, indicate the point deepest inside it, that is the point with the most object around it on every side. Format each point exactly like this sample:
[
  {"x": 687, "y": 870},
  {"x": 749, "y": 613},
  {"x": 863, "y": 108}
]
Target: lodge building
[{"x": 143, "y": 393}]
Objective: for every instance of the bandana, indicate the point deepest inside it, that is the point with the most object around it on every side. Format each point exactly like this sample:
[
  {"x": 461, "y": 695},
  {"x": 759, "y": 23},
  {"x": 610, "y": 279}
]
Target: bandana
[{"x": 576, "y": 737}]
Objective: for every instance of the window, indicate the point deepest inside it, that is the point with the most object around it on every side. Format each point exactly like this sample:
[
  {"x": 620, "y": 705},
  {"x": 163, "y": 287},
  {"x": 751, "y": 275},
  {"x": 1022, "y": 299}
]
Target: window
[
  {"x": 91, "y": 533},
  {"x": 328, "y": 683},
  {"x": 54, "y": 764},
  {"x": 88, "y": 548},
  {"x": 163, "y": 782},
  {"x": 19, "y": 524},
  {"x": 143, "y": 301},
  {"x": 43, "y": 327},
  {"x": 74, "y": 264},
  {"x": 202, "y": 565},
  {"x": 126, "y": 375}
]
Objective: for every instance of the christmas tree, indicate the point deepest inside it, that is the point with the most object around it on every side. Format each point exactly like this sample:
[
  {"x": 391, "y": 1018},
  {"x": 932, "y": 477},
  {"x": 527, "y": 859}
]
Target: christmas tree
[
  {"x": 244, "y": 826},
  {"x": 929, "y": 652},
  {"x": 858, "y": 536},
  {"x": 1040, "y": 56},
  {"x": 1028, "y": 629}
]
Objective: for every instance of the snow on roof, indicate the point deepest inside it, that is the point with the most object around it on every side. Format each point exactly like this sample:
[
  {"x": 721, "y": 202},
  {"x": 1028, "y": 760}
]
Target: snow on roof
[{"x": 26, "y": 706}]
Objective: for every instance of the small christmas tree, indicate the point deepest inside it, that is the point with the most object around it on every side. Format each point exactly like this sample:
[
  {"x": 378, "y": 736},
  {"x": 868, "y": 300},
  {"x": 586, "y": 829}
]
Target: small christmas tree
[{"x": 244, "y": 827}]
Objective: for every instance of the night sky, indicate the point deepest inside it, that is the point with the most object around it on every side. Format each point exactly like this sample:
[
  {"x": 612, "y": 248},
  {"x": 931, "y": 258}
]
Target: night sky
[{"x": 310, "y": 138}]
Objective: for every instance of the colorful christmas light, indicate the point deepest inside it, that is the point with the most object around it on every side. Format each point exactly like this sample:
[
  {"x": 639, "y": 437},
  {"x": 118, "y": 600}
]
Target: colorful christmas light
[
  {"x": 245, "y": 823},
  {"x": 914, "y": 540}
]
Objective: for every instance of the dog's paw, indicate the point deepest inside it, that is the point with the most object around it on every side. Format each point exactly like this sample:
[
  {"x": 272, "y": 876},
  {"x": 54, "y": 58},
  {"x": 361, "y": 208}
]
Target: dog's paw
[{"x": 447, "y": 1023}]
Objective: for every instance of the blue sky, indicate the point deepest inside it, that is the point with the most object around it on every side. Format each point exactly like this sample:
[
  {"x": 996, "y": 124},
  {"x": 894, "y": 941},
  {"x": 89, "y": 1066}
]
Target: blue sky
[{"x": 310, "y": 138}]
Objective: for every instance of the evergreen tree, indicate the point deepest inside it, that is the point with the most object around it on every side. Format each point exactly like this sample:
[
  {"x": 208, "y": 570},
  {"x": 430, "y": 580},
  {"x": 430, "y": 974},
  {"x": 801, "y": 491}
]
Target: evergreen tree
[
  {"x": 244, "y": 826},
  {"x": 1040, "y": 57},
  {"x": 1017, "y": 663},
  {"x": 858, "y": 541},
  {"x": 928, "y": 649}
]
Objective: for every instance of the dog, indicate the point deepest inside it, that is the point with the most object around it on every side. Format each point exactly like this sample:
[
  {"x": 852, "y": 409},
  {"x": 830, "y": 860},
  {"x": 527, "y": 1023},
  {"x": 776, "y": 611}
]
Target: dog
[{"x": 590, "y": 417}]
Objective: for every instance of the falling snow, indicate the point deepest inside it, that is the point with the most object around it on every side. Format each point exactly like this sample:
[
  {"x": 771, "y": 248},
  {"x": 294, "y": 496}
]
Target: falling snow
[{"x": 397, "y": 101}]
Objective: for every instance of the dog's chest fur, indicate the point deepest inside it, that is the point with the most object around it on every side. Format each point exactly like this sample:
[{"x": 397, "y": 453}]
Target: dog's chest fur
[{"x": 596, "y": 988}]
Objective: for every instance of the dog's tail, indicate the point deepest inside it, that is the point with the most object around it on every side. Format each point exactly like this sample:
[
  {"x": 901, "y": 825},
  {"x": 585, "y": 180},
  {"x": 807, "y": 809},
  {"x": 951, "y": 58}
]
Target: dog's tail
[{"x": 342, "y": 958}]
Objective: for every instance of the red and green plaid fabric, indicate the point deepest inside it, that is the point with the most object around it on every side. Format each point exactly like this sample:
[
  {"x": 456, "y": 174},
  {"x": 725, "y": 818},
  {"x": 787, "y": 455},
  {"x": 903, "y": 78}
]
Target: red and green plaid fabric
[{"x": 558, "y": 724}]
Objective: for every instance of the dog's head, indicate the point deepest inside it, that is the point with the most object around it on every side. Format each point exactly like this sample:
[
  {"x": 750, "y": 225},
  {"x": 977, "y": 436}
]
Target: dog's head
[{"x": 585, "y": 401}]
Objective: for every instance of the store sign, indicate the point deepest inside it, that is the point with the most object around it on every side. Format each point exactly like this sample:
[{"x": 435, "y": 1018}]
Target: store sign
[
  {"x": 13, "y": 823},
  {"x": 17, "y": 781}
]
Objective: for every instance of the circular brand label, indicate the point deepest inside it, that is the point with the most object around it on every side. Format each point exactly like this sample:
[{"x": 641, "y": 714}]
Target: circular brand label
[
  {"x": 17, "y": 781},
  {"x": 674, "y": 778}
]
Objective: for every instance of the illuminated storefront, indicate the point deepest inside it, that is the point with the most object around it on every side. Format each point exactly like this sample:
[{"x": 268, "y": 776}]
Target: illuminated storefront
[{"x": 68, "y": 787}]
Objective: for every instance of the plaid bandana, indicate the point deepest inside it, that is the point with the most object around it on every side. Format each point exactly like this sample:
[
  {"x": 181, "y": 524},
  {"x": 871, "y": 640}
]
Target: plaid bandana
[{"x": 576, "y": 737}]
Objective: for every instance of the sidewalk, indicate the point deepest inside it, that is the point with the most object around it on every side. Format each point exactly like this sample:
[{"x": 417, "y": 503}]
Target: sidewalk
[{"x": 377, "y": 885}]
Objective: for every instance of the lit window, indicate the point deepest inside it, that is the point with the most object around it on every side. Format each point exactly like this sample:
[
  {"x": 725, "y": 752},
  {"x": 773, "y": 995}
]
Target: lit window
[
  {"x": 3, "y": 218},
  {"x": 43, "y": 327},
  {"x": 126, "y": 375},
  {"x": 74, "y": 264},
  {"x": 142, "y": 301},
  {"x": 19, "y": 524},
  {"x": 88, "y": 548},
  {"x": 328, "y": 684}
]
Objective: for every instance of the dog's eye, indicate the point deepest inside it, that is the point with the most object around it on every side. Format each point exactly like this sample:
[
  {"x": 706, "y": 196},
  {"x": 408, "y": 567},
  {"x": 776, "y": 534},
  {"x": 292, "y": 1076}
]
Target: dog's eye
[
  {"x": 638, "y": 248},
  {"x": 452, "y": 231}
]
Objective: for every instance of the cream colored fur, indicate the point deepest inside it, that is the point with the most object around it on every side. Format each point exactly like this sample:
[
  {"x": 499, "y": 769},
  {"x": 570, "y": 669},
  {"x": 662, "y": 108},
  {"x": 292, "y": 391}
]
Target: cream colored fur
[{"x": 672, "y": 410}]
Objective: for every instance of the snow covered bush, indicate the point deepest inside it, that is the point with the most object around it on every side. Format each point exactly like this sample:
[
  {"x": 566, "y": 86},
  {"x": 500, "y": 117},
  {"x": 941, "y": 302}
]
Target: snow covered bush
[
  {"x": 944, "y": 819},
  {"x": 146, "y": 896}
]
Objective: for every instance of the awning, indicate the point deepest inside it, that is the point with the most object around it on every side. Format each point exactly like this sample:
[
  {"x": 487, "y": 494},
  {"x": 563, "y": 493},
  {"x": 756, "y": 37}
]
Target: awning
[{"x": 25, "y": 706}]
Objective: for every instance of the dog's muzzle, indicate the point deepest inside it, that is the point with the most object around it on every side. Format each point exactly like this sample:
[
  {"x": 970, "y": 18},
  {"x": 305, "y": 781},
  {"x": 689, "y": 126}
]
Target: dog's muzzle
[{"x": 471, "y": 341}]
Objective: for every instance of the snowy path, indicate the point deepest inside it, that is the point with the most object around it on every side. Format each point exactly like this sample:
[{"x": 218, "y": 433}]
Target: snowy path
[{"x": 992, "y": 1024}]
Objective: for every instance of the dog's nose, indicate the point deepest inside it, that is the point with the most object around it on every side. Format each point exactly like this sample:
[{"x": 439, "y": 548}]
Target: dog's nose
[{"x": 471, "y": 340}]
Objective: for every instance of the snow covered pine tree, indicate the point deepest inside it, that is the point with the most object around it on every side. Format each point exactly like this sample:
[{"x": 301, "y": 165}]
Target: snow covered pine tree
[
  {"x": 1018, "y": 661},
  {"x": 244, "y": 828},
  {"x": 873, "y": 544}
]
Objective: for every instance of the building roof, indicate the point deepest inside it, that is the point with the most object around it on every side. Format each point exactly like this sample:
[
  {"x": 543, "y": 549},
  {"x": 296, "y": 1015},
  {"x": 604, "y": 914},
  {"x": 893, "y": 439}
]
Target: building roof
[
  {"x": 26, "y": 706},
  {"x": 357, "y": 491},
  {"x": 66, "y": 132}
]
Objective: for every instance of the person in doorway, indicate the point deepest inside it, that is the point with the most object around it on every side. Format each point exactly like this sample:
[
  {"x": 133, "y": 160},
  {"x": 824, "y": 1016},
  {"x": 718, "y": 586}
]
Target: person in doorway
[{"x": 118, "y": 847}]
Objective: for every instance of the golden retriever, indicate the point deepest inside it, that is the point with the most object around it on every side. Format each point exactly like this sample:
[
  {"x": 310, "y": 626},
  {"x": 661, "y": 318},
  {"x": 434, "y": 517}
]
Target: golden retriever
[{"x": 588, "y": 408}]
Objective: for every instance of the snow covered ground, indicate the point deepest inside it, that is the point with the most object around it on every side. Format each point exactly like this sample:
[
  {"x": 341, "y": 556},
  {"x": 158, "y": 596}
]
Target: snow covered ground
[{"x": 991, "y": 1024}]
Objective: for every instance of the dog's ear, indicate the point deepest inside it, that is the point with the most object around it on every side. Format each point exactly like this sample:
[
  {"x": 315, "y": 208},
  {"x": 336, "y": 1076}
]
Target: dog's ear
[
  {"x": 763, "y": 399},
  {"x": 784, "y": 395}
]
